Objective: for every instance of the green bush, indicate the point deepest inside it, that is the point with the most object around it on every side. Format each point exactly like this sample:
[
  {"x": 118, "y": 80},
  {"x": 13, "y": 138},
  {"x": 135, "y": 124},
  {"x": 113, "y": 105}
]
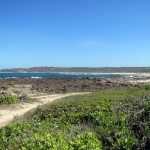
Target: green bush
[
  {"x": 7, "y": 99},
  {"x": 86, "y": 141},
  {"x": 44, "y": 141}
]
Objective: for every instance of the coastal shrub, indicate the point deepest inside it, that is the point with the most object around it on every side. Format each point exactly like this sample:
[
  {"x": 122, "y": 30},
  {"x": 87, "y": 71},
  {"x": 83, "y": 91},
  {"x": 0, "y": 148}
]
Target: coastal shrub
[
  {"x": 86, "y": 141},
  {"x": 7, "y": 99},
  {"x": 44, "y": 141},
  {"x": 124, "y": 140},
  {"x": 113, "y": 119}
]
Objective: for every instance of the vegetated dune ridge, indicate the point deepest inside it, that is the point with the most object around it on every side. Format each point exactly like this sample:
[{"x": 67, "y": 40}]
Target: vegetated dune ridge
[
  {"x": 111, "y": 119},
  {"x": 8, "y": 114}
]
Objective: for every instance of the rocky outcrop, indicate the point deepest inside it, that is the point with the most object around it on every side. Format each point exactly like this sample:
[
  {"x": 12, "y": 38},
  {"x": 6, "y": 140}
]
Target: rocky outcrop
[{"x": 62, "y": 85}]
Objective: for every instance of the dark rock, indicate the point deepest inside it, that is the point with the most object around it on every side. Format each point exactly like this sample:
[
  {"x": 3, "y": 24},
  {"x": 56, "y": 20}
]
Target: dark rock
[{"x": 63, "y": 85}]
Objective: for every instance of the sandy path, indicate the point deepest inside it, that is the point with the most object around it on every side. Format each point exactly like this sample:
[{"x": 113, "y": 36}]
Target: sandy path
[{"x": 8, "y": 114}]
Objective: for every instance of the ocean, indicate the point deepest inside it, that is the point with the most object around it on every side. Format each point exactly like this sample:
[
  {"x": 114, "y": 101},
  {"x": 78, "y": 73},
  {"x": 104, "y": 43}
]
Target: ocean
[{"x": 69, "y": 75}]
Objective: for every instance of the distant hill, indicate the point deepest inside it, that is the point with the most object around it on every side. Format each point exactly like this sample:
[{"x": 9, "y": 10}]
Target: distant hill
[{"x": 80, "y": 69}]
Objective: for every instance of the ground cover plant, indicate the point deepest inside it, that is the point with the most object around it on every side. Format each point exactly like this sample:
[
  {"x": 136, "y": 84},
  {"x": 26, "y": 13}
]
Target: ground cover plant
[
  {"x": 8, "y": 99},
  {"x": 112, "y": 119}
]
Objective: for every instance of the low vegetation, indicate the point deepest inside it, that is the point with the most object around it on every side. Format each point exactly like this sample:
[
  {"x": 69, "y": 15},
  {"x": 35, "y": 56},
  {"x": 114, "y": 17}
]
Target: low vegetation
[
  {"x": 113, "y": 119},
  {"x": 8, "y": 99}
]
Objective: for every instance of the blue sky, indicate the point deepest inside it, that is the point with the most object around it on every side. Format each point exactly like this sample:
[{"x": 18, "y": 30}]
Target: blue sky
[{"x": 74, "y": 33}]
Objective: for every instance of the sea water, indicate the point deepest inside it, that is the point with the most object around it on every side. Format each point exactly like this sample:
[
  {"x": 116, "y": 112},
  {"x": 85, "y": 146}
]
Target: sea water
[{"x": 69, "y": 75}]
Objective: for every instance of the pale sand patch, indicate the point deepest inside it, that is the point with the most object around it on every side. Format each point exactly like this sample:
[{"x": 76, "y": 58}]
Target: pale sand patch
[
  {"x": 117, "y": 73},
  {"x": 139, "y": 81},
  {"x": 8, "y": 114}
]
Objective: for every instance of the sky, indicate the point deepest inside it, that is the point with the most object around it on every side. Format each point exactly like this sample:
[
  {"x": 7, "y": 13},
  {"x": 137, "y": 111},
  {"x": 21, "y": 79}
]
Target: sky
[{"x": 74, "y": 33}]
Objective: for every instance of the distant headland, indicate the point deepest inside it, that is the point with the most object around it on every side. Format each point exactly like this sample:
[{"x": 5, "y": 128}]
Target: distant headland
[{"x": 80, "y": 69}]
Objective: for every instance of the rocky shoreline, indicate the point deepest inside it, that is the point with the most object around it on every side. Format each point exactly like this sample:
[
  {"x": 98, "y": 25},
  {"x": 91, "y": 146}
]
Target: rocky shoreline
[{"x": 66, "y": 85}]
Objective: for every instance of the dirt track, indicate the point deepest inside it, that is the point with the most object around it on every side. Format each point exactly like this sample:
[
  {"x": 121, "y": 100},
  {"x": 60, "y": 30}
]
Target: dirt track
[{"x": 8, "y": 114}]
